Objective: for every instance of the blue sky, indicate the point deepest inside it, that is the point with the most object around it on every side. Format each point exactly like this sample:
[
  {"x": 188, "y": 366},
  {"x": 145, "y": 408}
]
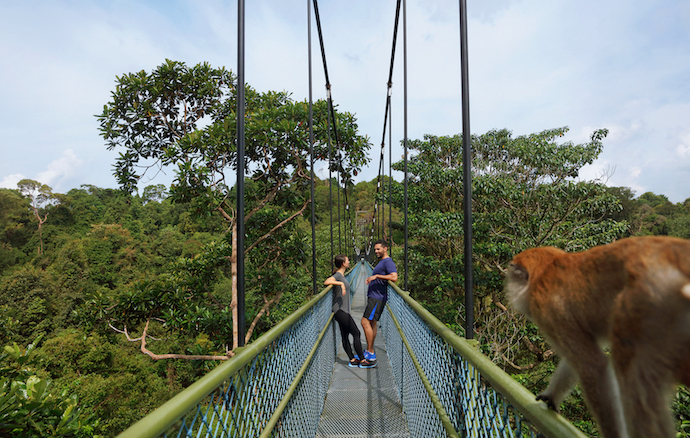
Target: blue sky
[{"x": 534, "y": 65}]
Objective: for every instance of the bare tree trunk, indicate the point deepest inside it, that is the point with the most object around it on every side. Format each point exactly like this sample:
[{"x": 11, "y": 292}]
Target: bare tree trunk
[
  {"x": 40, "y": 228},
  {"x": 233, "y": 303}
]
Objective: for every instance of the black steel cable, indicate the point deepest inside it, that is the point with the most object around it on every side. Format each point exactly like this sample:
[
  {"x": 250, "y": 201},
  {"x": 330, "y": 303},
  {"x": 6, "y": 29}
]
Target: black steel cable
[
  {"x": 332, "y": 113},
  {"x": 467, "y": 171},
  {"x": 405, "y": 126},
  {"x": 381, "y": 172},
  {"x": 311, "y": 153},
  {"x": 330, "y": 186},
  {"x": 241, "y": 329}
]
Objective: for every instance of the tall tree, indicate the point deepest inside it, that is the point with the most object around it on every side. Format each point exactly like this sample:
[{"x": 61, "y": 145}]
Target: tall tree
[
  {"x": 185, "y": 118},
  {"x": 41, "y": 196}
]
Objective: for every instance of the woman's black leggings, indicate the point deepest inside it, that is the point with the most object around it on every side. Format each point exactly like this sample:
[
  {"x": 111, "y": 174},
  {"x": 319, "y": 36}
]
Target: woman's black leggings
[{"x": 348, "y": 327}]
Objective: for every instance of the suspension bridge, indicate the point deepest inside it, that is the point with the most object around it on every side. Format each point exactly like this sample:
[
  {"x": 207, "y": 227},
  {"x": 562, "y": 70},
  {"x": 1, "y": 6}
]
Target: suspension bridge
[{"x": 294, "y": 381}]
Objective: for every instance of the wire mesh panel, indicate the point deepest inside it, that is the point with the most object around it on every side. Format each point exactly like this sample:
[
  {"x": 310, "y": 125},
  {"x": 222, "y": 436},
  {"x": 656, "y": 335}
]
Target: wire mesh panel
[
  {"x": 301, "y": 417},
  {"x": 243, "y": 405},
  {"x": 279, "y": 381},
  {"x": 473, "y": 406},
  {"x": 422, "y": 418}
]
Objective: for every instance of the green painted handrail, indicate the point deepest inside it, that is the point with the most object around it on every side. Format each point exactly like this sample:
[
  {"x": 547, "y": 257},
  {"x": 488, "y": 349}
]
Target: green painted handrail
[
  {"x": 165, "y": 416},
  {"x": 545, "y": 420}
]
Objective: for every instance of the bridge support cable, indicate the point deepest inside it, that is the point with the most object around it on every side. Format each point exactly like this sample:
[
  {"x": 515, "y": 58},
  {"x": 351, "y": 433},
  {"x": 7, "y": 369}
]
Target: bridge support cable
[
  {"x": 330, "y": 183},
  {"x": 467, "y": 173},
  {"x": 330, "y": 188},
  {"x": 241, "y": 329},
  {"x": 380, "y": 231},
  {"x": 311, "y": 153},
  {"x": 404, "y": 3},
  {"x": 345, "y": 180},
  {"x": 396, "y": 26},
  {"x": 390, "y": 177}
]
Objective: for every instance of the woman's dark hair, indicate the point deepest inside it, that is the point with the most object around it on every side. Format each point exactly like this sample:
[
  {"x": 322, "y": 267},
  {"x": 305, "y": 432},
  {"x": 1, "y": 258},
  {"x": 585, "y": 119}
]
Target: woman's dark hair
[{"x": 339, "y": 260}]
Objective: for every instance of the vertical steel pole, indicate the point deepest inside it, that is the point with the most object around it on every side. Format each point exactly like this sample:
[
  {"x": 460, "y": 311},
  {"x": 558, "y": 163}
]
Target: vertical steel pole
[
  {"x": 240, "y": 173},
  {"x": 330, "y": 180},
  {"x": 311, "y": 154},
  {"x": 467, "y": 173},
  {"x": 405, "y": 123},
  {"x": 390, "y": 173}
]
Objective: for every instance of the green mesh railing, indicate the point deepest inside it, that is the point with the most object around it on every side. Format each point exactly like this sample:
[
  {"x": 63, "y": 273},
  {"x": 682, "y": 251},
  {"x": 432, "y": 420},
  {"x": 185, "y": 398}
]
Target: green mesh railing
[
  {"x": 275, "y": 386},
  {"x": 448, "y": 388}
]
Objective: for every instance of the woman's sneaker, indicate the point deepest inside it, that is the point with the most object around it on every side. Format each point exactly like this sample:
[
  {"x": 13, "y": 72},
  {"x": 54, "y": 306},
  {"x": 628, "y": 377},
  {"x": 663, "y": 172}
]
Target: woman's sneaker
[{"x": 354, "y": 363}]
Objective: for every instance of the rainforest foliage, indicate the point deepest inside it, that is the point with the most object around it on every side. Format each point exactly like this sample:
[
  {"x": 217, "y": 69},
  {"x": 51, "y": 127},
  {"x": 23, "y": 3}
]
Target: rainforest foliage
[{"x": 104, "y": 248}]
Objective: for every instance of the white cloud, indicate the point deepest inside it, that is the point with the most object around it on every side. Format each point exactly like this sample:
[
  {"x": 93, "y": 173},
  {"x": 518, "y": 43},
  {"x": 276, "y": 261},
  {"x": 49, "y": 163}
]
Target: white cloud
[
  {"x": 60, "y": 169},
  {"x": 683, "y": 148},
  {"x": 10, "y": 181}
]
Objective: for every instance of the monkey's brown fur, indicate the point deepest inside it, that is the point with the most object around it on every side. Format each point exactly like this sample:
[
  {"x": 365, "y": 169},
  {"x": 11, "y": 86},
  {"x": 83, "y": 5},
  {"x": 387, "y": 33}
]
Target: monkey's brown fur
[{"x": 633, "y": 295}]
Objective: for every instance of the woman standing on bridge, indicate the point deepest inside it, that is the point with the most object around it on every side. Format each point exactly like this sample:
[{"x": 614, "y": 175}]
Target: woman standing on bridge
[{"x": 341, "y": 309}]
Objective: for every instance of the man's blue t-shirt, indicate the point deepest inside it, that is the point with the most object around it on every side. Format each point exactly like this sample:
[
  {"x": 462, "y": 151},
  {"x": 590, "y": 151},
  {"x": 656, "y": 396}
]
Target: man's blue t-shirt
[{"x": 379, "y": 288}]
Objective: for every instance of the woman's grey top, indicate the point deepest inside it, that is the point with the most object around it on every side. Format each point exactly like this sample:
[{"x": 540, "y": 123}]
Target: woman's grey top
[{"x": 340, "y": 301}]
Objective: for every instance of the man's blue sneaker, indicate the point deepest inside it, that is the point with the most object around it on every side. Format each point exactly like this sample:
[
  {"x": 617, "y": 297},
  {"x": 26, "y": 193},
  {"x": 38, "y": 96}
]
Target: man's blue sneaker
[
  {"x": 369, "y": 356},
  {"x": 368, "y": 363}
]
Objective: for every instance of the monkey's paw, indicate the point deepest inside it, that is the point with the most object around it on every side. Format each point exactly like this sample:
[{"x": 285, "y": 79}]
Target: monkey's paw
[{"x": 549, "y": 402}]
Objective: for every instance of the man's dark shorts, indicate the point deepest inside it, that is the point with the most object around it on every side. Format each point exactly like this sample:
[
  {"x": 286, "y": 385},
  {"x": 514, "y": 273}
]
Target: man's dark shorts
[{"x": 374, "y": 309}]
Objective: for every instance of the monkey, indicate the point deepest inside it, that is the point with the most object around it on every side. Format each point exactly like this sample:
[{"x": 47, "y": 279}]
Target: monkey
[{"x": 631, "y": 296}]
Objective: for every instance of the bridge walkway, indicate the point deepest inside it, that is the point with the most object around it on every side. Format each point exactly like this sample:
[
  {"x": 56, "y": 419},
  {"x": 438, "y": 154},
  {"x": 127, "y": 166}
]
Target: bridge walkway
[{"x": 362, "y": 402}]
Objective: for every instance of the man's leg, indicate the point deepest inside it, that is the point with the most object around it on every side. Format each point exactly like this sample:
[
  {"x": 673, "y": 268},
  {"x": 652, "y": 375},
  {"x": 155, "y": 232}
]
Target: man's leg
[
  {"x": 369, "y": 333},
  {"x": 374, "y": 329}
]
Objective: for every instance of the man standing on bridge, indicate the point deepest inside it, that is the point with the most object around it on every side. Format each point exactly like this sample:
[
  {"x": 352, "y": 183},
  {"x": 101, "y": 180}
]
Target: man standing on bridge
[{"x": 377, "y": 295}]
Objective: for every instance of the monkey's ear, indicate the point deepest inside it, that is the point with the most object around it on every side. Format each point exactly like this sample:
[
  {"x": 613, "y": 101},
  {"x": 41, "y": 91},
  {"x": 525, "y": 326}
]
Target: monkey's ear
[{"x": 518, "y": 272}]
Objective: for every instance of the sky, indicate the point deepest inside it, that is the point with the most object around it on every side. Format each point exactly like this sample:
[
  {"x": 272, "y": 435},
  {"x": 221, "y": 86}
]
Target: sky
[{"x": 623, "y": 65}]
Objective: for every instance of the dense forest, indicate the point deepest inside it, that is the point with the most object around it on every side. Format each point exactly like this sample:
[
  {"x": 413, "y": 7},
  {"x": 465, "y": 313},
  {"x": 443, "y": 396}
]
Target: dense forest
[
  {"x": 100, "y": 248},
  {"x": 113, "y": 300}
]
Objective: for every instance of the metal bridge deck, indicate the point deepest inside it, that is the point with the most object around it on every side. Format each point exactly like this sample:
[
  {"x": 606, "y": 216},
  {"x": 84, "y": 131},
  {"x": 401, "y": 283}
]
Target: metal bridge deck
[{"x": 362, "y": 402}]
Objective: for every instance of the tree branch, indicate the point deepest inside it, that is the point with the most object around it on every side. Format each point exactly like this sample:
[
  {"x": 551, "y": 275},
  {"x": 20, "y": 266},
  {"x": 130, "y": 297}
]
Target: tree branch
[
  {"x": 155, "y": 356},
  {"x": 264, "y": 309},
  {"x": 265, "y": 236},
  {"x": 517, "y": 367}
]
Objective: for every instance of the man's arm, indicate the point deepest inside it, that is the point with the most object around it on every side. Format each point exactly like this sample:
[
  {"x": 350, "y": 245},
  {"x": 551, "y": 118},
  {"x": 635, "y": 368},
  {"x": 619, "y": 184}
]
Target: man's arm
[{"x": 393, "y": 276}]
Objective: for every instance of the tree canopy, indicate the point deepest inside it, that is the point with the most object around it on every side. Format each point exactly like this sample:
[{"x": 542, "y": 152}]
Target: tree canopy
[
  {"x": 186, "y": 118},
  {"x": 525, "y": 194}
]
